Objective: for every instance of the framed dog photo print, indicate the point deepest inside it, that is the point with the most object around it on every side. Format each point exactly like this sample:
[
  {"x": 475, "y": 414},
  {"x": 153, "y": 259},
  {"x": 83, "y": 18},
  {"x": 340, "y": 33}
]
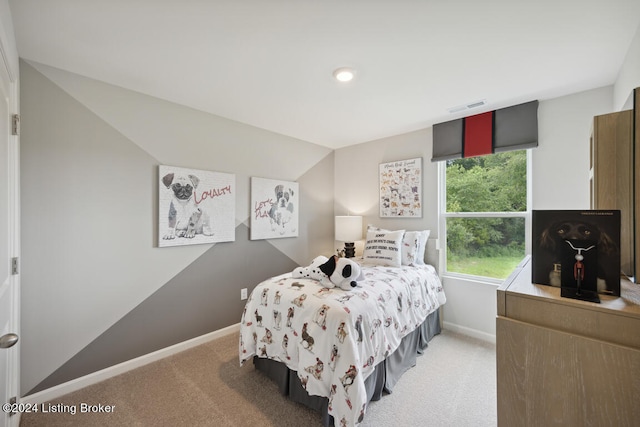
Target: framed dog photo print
[
  {"x": 577, "y": 249},
  {"x": 401, "y": 189},
  {"x": 195, "y": 206},
  {"x": 274, "y": 208}
]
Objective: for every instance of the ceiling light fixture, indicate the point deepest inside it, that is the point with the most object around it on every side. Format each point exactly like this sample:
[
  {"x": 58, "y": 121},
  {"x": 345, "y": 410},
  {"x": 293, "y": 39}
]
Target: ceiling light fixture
[{"x": 344, "y": 74}]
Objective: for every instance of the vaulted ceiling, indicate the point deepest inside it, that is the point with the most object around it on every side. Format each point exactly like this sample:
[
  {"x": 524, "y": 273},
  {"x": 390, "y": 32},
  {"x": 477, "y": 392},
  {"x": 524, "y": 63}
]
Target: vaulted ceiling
[{"x": 270, "y": 63}]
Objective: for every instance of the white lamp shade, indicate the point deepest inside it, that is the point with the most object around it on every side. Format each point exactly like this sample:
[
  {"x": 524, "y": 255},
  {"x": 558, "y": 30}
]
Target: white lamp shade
[{"x": 348, "y": 228}]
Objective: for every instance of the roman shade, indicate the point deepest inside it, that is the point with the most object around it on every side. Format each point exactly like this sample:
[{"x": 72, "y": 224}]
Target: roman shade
[{"x": 511, "y": 128}]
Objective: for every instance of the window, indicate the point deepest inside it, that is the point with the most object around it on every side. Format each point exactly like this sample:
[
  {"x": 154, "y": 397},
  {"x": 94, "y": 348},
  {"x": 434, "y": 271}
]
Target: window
[{"x": 484, "y": 213}]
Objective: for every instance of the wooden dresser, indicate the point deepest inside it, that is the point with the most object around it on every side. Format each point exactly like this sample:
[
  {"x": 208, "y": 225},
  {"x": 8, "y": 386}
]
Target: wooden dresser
[{"x": 566, "y": 362}]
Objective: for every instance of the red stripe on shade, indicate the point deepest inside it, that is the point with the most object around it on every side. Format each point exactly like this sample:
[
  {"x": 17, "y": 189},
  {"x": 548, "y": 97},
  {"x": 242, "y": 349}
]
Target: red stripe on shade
[{"x": 478, "y": 135}]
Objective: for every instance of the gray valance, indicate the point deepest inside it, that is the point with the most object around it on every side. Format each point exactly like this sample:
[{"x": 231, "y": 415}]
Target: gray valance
[{"x": 511, "y": 128}]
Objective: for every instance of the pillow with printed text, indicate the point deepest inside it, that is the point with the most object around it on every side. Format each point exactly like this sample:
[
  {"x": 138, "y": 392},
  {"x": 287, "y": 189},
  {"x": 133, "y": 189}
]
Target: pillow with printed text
[
  {"x": 384, "y": 247},
  {"x": 414, "y": 244}
]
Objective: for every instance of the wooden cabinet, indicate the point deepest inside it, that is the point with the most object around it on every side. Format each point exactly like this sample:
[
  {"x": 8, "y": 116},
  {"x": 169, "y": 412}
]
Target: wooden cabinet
[
  {"x": 612, "y": 176},
  {"x": 566, "y": 362}
]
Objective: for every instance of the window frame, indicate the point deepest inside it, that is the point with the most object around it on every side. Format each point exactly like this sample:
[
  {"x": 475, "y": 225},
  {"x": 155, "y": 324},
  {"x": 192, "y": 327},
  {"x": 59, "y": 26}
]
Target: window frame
[{"x": 443, "y": 215}]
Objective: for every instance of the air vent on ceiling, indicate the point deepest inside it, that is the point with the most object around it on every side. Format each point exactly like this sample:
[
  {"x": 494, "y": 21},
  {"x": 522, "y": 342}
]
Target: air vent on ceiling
[{"x": 468, "y": 106}]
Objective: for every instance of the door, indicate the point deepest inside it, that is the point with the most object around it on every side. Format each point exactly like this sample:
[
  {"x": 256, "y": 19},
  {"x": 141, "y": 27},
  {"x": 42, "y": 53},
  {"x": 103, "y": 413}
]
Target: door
[{"x": 9, "y": 294}]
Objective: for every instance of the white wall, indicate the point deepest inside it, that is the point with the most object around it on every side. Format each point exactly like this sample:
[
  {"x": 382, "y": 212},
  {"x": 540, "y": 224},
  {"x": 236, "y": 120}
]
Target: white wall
[
  {"x": 7, "y": 38},
  {"x": 629, "y": 75},
  {"x": 560, "y": 181},
  {"x": 356, "y": 179},
  {"x": 560, "y": 174},
  {"x": 561, "y": 161}
]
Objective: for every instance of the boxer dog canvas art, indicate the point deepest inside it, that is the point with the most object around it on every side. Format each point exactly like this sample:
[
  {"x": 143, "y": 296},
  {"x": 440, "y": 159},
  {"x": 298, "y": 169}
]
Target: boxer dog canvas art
[{"x": 274, "y": 208}]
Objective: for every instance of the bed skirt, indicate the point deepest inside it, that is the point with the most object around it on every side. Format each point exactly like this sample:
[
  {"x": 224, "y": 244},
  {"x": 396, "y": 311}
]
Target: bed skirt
[{"x": 382, "y": 379}]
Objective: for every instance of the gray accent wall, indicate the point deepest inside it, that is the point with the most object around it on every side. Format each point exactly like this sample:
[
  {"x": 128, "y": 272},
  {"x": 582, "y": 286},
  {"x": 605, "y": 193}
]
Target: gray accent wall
[
  {"x": 185, "y": 307},
  {"x": 96, "y": 289}
]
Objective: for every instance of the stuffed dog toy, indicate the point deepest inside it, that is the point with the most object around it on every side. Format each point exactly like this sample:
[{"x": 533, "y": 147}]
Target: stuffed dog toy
[{"x": 331, "y": 272}]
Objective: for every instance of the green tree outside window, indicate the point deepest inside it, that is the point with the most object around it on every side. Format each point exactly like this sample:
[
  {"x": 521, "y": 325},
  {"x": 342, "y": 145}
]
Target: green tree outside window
[{"x": 484, "y": 245}]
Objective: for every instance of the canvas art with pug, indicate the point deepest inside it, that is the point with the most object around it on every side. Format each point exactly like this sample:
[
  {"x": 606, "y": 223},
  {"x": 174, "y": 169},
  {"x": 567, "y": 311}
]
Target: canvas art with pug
[
  {"x": 195, "y": 206},
  {"x": 571, "y": 243},
  {"x": 274, "y": 208}
]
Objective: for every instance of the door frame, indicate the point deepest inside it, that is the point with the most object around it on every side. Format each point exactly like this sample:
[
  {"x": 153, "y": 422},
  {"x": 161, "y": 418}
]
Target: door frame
[{"x": 9, "y": 65}]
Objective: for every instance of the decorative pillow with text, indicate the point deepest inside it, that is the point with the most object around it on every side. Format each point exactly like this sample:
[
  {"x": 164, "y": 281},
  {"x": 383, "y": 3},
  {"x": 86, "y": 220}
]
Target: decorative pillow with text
[
  {"x": 384, "y": 247},
  {"x": 414, "y": 244}
]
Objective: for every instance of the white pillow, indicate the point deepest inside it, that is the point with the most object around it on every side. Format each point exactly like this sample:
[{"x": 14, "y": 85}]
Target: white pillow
[
  {"x": 384, "y": 247},
  {"x": 414, "y": 244},
  {"x": 423, "y": 236},
  {"x": 410, "y": 246}
]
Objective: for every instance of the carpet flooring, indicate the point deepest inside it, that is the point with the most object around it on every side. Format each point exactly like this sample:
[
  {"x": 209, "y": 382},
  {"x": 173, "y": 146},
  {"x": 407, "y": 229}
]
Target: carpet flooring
[{"x": 452, "y": 384}]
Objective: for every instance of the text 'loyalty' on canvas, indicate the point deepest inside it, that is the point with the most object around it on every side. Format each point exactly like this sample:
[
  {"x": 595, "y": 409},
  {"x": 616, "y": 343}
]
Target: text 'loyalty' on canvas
[{"x": 195, "y": 206}]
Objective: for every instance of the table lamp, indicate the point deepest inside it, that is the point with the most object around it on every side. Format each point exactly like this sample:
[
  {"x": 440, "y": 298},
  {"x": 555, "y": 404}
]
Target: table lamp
[{"x": 348, "y": 230}]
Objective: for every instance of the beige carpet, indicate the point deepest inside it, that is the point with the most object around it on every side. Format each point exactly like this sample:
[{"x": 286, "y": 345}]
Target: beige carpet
[{"x": 452, "y": 384}]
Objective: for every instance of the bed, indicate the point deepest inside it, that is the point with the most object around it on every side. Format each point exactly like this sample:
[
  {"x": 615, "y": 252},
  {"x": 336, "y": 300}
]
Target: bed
[{"x": 336, "y": 350}]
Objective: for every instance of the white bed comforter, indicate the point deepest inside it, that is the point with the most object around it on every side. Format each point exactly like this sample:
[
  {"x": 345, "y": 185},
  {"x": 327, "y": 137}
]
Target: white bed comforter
[{"x": 333, "y": 338}]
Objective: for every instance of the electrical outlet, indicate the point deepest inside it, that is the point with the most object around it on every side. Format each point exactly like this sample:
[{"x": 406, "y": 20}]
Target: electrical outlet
[{"x": 243, "y": 293}]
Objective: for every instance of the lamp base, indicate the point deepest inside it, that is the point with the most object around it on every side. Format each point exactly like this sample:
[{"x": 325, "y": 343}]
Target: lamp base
[{"x": 349, "y": 249}]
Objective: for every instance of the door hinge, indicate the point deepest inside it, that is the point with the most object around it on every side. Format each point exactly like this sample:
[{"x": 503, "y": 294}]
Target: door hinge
[
  {"x": 15, "y": 269},
  {"x": 15, "y": 124},
  {"x": 13, "y": 402}
]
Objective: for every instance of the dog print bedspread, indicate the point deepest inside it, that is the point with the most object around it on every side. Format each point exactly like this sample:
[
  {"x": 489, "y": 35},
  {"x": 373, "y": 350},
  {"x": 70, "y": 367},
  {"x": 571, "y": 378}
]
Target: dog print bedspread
[{"x": 334, "y": 338}]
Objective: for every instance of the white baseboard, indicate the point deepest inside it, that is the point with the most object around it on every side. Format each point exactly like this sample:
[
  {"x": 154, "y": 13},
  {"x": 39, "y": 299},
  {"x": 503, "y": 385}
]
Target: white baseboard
[
  {"x": 469, "y": 332},
  {"x": 112, "y": 371}
]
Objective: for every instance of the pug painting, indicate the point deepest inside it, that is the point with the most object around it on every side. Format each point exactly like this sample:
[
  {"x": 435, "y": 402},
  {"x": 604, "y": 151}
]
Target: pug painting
[
  {"x": 195, "y": 206},
  {"x": 184, "y": 218}
]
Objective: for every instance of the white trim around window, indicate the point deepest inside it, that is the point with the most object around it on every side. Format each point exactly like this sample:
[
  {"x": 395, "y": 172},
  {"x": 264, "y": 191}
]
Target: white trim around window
[{"x": 443, "y": 215}]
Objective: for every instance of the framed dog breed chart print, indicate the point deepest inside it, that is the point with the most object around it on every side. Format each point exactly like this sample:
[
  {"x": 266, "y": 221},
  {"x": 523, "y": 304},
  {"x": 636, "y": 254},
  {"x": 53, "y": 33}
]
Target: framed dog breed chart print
[
  {"x": 401, "y": 189},
  {"x": 577, "y": 249},
  {"x": 274, "y": 208},
  {"x": 195, "y": 207}
]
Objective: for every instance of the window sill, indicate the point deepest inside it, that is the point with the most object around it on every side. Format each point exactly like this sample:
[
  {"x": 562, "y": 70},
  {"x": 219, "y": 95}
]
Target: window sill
[{"x": 476, "y": 279}]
